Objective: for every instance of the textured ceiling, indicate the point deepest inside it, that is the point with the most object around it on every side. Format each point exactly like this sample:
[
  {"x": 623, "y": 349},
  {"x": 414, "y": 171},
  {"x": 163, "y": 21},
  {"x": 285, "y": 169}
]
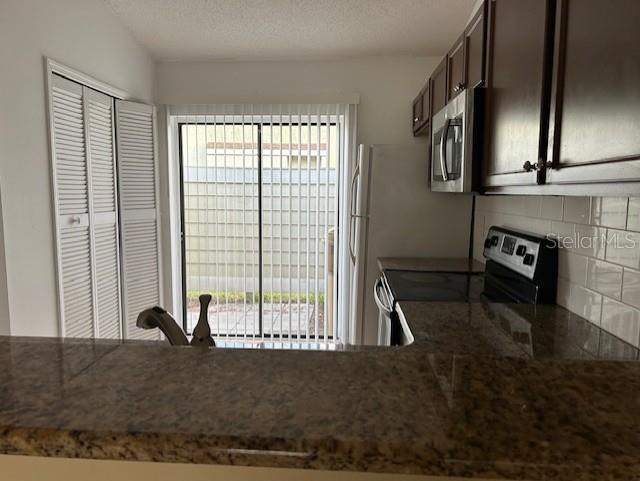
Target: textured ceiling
[{"x": 292, "y": 29}]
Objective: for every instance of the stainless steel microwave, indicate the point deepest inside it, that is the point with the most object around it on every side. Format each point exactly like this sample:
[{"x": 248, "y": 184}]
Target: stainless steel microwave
[{"x": 456, "y": 143}]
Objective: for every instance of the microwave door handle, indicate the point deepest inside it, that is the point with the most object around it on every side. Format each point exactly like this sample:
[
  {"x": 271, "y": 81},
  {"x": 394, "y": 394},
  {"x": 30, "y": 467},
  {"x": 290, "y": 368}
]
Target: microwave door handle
[{"x": 443, "y": 150}]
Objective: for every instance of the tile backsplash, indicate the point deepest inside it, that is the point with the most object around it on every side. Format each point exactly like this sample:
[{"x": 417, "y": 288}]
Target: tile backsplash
[{"x": 599, "y": 257}]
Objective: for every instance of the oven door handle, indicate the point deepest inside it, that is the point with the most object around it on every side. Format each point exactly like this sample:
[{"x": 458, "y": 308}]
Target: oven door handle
[
  {"x": 376, "y": 289},
  {"x": 443, "y": 150}
]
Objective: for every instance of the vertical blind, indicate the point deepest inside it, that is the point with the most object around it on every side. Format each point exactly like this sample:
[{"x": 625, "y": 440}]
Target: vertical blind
[{"x": 260, "y": 206}]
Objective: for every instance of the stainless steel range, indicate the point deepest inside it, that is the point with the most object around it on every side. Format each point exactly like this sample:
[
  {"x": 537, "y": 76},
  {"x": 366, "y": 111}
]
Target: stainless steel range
[{"x": 520, "y": 268}]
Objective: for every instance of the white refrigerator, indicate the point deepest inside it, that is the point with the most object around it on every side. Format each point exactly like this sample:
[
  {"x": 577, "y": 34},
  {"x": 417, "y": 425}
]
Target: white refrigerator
[{"x": 393, "y": 213}]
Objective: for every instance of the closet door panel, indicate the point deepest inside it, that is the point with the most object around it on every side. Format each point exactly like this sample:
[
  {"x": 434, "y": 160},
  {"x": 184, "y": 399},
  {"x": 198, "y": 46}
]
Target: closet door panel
[
  {"x": 138, "y": 200},
  {"x": 100, "y": 128},
  {"x": 70, "y": 152},
  {"x": 107, "y": 281},
  {"x": 70, "y": 181},
  {"x": 77, "y": 288}
]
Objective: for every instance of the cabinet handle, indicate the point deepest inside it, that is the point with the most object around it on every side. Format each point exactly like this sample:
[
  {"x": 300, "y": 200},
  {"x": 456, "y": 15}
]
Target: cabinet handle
[
  {"x": 75, "y": 219},
  {"x": 458, "y": 87},
  {"x": 415, "y": 119}
]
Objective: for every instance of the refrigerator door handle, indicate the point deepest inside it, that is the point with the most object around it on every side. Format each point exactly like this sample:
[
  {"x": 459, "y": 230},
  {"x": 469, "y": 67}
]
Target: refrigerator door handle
[
  {"x": 354, "y": 179},
  {"x": 354, "y": 216},
  {"x": 351, "y": 253}
]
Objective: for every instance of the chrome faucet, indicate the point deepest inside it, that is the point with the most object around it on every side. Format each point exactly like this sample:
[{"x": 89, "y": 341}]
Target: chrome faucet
[{"x": 157, "y": 317}]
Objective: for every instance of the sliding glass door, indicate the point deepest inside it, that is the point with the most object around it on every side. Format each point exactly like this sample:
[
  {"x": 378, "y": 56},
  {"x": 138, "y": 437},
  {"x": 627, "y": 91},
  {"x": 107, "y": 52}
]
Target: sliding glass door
[
  {"x": 259, "y": 196},
  {"x": 221, "y": 232}
]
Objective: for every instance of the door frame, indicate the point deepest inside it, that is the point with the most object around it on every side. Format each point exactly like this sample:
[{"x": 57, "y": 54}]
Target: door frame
[{"x": 183, "y": 275}]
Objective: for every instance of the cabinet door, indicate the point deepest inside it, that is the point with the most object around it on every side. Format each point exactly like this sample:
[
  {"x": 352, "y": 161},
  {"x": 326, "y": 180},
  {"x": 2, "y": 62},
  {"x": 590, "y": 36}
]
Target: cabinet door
[
  {"x": 475, "y": 36},
  {"x": 456, "y": 68},
  {"x": 426, "y": 103},
  {"x": 595, "y": 115},
  {"x": 417, "y": 112},
  {"x": 422, "y": 111},
  {"x": 439, "y": 87},
  {"x": 517, "y": 103}
]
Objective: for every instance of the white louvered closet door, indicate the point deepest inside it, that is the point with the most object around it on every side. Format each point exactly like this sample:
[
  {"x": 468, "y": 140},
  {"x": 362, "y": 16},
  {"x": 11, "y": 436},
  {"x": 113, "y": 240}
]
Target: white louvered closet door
[
  {"x": 137, "y": 170},
  {"x": 103, "y": 212},
  {"x": 73, "y": 240}
]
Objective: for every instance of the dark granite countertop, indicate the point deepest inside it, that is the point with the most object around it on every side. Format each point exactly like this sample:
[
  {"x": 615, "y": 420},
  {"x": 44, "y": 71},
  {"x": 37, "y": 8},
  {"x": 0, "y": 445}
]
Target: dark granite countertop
[{"x": 478, "y": 394}]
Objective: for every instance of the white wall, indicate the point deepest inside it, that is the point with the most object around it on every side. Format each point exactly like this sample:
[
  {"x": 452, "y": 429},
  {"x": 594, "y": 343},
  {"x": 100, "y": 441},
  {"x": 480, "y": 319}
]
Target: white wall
[
  {"x": 85, "y": 35},
  {"x": 386, "y": 87}
]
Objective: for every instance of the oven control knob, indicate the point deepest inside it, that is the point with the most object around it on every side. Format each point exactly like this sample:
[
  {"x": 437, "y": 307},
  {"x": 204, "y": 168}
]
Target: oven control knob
[
  {"x": 528, "y": 259},
  {"x": 494, "y": 240},
  {"x": 521, "y": 250}
]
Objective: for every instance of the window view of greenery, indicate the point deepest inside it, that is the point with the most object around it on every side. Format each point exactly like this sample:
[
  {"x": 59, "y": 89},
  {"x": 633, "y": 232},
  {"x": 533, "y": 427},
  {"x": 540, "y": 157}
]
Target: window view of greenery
[{"x": 297, "y": 211}]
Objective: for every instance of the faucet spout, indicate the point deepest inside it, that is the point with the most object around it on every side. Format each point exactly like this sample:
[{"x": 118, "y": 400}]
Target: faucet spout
[{"x": 157, "y": 317}]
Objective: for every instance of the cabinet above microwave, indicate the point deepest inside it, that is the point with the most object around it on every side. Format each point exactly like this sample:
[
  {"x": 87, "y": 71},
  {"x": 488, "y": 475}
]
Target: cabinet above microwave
[{"x": 461, "y": 68}]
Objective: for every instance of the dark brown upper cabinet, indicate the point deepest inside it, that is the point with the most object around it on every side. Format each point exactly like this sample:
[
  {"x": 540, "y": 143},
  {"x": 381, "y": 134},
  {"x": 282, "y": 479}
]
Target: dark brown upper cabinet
[
  {"x": 594, "y": 131},
  {"x": 439, "y": 86},
  {"x": 562, "y": 97},
  {"x": 463, "y": 67},
  {"x": 475, "y": 41},
  {"x": 520, "y": 47},
  {"x": 456, "y": 68},
  {"x": 422, "y": 111}
]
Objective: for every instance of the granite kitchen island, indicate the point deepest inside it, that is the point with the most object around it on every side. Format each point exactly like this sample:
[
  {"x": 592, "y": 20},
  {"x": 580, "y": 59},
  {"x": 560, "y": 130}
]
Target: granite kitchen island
[{"x": 470, "y": 397}]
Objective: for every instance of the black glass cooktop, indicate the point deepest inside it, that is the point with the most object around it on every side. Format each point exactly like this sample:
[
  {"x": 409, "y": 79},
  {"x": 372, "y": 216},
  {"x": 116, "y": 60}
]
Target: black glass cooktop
[{"x": 440, "y": 287}]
